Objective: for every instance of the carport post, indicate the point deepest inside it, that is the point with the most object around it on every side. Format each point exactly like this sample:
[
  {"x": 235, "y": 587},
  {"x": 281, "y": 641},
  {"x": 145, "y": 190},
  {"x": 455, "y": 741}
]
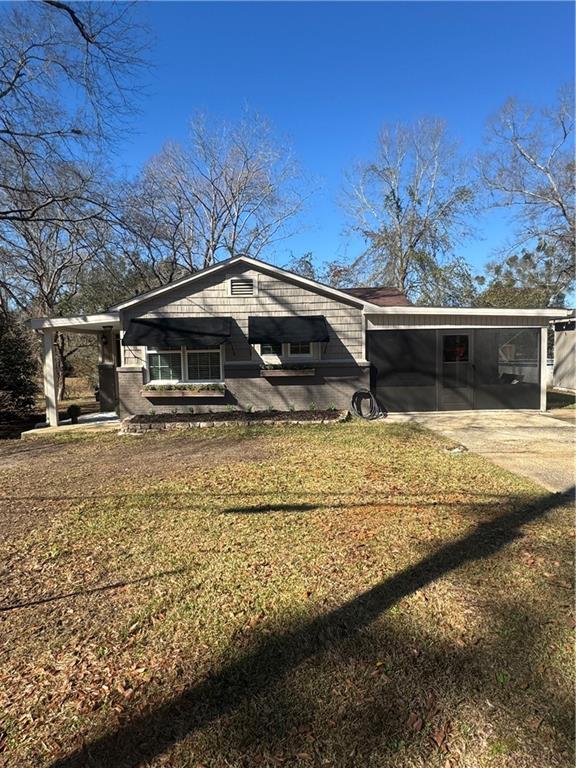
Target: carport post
[
  {"x": 50, "y": 378},
  {"x": 543, "y": 366}
]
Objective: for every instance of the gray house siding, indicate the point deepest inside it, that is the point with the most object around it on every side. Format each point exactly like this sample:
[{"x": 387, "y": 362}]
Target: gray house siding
[
  {"x": 457, "y": 320},
  {"x": 340, "y": 370},
  {"x": 275, "y": 297},
  {"x": 565, "y": 359}
]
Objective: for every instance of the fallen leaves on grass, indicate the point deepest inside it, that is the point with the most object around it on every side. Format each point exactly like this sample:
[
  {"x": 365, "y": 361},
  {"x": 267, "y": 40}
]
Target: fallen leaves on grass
[{"x": 292, "y": 525}]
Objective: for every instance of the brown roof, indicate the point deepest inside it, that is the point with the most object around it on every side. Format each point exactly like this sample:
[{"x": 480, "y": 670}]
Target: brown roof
[{"x": 383, "y": 297}]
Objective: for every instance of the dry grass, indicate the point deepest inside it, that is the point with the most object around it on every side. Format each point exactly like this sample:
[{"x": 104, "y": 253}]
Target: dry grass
[{"x": 346, "y": 595}]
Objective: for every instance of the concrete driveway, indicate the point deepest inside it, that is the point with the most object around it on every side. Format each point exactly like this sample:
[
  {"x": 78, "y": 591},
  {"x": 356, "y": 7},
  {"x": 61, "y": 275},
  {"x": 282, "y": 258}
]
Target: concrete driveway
[{"x": 535, "y": 445}]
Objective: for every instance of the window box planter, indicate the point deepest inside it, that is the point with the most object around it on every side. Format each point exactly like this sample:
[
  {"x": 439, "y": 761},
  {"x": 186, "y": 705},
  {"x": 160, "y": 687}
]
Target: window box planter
[
  {"x": 179, "y": 392},
  {"x": 273, "y": 372}
]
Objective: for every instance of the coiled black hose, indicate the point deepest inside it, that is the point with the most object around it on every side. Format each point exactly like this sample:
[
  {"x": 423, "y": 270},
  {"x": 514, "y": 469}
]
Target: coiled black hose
[{"x": 359, "y": 398}]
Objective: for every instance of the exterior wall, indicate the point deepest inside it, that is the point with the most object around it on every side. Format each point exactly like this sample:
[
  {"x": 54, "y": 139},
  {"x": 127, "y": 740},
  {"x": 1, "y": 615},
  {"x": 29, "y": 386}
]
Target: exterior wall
[
  {"x": 332, "y": 386},
  {"x": 565, "y": 360},
  {"x": 340, "y": 371}
]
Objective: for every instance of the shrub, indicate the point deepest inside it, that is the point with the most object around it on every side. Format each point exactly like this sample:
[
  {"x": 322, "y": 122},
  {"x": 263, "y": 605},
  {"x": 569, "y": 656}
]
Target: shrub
[
  {"x": 18, "y": 369},
  {"x": 74, "y": 411}
]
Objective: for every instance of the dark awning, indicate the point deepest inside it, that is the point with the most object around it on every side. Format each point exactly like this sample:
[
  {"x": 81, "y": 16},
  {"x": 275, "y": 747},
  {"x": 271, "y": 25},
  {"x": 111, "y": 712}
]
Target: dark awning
[
  {"x": 169, "y": 332},
  {"x": 270, "y": 330}
]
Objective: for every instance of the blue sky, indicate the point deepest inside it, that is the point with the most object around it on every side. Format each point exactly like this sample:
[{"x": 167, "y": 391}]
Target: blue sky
[{"x": 328, "y": 75}]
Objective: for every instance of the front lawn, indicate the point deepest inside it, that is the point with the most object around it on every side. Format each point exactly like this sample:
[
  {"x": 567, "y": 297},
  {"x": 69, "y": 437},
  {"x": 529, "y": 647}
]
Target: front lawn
[{"x": 337, "y": 595}]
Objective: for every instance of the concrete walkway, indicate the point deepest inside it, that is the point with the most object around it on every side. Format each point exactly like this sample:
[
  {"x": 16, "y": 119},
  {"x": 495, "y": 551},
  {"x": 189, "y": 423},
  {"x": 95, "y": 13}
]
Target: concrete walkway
[
  {"x": 531, "y": 444},
  {"x": 102, "y": 421}
]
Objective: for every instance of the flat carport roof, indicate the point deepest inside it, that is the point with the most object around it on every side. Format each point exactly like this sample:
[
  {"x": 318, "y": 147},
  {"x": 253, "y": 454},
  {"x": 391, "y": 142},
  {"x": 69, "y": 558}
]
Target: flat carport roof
[
  {"x": 101, "y": 323},
  {"x": 77, "y": 323}
]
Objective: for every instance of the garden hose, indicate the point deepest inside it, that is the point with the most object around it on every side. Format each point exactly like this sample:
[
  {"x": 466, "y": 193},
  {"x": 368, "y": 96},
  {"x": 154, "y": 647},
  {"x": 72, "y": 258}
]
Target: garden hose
[{"x": 359, "y": 398}]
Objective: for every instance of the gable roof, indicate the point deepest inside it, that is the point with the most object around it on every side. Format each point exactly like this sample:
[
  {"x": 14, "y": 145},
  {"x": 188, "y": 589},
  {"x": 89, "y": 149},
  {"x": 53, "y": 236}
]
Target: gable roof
[
  {"x": 262, "y": 266},
  {"x": 381, "y": 296}
]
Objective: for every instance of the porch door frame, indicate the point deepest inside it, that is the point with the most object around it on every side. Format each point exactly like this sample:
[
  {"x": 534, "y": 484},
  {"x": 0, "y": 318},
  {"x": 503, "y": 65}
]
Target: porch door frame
[{"x": 468, "y": 394}]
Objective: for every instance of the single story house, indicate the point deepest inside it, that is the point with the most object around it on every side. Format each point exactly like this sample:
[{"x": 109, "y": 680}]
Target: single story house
[{"x": 246, "y": 334}]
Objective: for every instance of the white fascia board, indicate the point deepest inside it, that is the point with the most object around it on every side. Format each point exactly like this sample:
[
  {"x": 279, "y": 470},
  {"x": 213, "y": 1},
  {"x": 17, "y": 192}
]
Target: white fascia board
[
  {"x": 77, "y": 323},
  {"x": 469, "y": 311},
  {"x": 261, "y": 266}
]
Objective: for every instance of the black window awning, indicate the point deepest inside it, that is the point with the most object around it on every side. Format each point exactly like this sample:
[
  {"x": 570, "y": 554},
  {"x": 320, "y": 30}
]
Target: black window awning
[
  {"x": 270, "y": 330},
  {"x": 169, "y": 332}
]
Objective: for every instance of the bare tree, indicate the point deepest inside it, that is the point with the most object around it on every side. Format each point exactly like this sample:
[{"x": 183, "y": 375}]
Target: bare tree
[
  {"x": 153, "y": 234},
  {"x": 529, "y": 167},
  {"x": 43, "y": 259},
  {"x": 411, "y": 206},
  {"x": 66, "y": 85},
  {"x": 230, "y": 189}
]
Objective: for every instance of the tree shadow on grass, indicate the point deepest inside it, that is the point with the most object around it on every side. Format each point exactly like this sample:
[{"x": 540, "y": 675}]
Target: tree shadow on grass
[
  {"x": 91, "y": 590},
  {"x": 263, "y": 509},
  {"x": 271, "y": 664}
]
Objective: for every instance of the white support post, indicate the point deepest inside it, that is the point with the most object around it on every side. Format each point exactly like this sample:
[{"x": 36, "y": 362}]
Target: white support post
[
  {"x": 50, "y": 378},
  {"x": 543, "y": 366}
]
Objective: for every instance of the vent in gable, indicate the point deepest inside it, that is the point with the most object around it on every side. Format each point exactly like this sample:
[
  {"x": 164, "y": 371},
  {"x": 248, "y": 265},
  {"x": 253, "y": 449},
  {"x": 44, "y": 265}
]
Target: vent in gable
[{"x": 242, "y": 286}]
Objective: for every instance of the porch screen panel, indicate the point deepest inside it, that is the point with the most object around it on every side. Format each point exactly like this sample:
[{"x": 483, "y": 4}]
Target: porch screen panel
[
  {"x": 507, "y": 368},
  {"x": 404, "y": 369}
]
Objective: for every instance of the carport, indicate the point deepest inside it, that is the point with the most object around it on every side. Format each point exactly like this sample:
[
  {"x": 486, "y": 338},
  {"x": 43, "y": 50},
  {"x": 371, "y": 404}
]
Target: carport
[
  {"x": 439, "y": 359},
  {"x": 106, "y": 327}
]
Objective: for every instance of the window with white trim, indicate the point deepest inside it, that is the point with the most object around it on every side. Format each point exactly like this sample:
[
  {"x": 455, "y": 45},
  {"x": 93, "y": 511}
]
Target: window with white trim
[
  {"x": 203, "y": 365},
  {"x": 165, "y": 366},
  {"x": 300, "y": 348},
  {"x": 185, "y": 365},
  {"x": 273, "y": 353},
  {"x": 271, "y": 349}
]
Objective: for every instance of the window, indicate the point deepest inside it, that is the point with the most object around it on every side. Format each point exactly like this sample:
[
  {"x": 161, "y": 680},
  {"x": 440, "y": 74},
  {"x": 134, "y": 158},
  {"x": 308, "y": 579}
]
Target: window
[
  {"x": 184, "y": 365},
  {"x": 455, "y": 349},
  {"x": 283, "y": 350},
  {"x": 165, "y": 366},
  {"x": 300, "y": 348},
  {"x": 241, "y": 286},
  {"x": 203, "y": 365},
  {"x": 271, "y": 349}
]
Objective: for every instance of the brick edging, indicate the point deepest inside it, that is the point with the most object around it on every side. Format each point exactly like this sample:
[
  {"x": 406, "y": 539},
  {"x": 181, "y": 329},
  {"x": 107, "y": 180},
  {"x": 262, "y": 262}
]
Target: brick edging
[{"x": 128, "y": 426}]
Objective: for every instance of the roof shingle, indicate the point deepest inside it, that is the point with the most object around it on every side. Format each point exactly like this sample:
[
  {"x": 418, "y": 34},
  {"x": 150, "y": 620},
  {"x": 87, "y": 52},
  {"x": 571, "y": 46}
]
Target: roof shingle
[{"x": 379, "y": 295}]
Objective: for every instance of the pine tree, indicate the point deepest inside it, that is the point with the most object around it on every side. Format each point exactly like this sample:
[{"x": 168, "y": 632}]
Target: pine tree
[{"x": 18, "y": 369}]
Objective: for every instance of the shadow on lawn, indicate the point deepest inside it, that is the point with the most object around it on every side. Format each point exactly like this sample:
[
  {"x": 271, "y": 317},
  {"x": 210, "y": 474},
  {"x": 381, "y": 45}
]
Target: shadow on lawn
[
  {"x": 91, "y": 590},
  {"x": 240, "y": 692},
  {"x": 264, "y": 509},
  {"x": 186, "y": 496}
]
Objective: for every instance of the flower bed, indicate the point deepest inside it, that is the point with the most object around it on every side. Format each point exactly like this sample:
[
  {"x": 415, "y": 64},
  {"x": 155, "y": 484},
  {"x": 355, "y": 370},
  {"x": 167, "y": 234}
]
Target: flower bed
[{"x": 143, "y": 422}]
